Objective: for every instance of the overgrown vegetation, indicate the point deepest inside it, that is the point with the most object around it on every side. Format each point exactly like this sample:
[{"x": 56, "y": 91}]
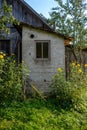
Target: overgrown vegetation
[
  {"x": 73, "y": 91},
  {"x": 67, "y": 110},
  {"x": 37, "y": 114},
  {"x": 12, "y": 78}
]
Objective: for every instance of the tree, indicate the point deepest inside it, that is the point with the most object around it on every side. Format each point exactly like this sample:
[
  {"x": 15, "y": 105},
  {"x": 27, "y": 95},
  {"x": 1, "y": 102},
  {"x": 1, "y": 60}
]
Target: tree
[{"x": 70, "y": 18}]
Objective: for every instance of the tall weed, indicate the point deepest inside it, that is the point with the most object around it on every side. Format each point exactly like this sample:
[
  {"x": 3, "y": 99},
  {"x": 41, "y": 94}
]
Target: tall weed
[
  {"x": 12, "y": 77},
  {"x": 71, "y": 92}
]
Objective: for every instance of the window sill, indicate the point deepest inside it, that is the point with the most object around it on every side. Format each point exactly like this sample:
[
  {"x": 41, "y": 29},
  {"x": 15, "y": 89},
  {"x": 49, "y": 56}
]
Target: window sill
[{"x": 37, "y": 60}]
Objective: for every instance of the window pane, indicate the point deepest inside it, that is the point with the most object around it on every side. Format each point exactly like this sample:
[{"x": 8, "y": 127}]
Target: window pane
[
  {"x": 45, "y": 50},
  {"x": 5, "y": 46},
  {"x": 38, "y": 50}
]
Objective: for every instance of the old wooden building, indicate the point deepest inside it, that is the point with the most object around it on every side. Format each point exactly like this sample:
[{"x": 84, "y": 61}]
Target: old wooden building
[{"x": 34, "y": 42}]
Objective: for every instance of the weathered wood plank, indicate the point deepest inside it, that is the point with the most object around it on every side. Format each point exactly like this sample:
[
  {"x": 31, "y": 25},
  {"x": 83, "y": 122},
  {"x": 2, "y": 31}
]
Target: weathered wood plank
[{"x": 25, "y": 14}]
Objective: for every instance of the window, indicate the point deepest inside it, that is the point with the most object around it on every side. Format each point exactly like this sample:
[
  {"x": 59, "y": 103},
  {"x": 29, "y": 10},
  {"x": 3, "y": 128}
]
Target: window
[
  {"x": 5, "y": 46},
  {"x": 42, "y": 49}
]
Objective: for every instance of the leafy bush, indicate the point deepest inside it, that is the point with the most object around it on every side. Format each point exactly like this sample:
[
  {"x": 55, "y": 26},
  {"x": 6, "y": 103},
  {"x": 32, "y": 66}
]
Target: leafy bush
[
  {"x": 12, "y": 77},
  {"x": 71, "y": 92}
]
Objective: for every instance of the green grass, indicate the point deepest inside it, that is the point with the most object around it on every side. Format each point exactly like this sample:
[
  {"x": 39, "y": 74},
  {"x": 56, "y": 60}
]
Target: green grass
[{"x": 36, "y": 114}]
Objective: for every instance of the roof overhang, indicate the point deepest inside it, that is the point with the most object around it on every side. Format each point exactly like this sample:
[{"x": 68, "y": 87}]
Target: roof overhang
[{"x": 66, "y": 38}]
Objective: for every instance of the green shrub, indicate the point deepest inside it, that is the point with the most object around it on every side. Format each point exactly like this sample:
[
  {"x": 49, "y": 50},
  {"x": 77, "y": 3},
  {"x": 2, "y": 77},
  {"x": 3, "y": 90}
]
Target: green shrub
[
  {"x": 12, "y": 77},
  {"x": 37, "y": 114},
  {"x": 71, "y": 92}
]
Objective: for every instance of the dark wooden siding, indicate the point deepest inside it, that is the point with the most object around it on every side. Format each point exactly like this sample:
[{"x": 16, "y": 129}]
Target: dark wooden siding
[
  {"x": 1, "y": 1},
  {"x": 25, "y": 15},
  {"x": 69, "y": 58}
]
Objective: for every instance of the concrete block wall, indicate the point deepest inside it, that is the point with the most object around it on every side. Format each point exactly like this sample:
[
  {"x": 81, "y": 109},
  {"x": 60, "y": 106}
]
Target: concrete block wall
[{"x": 41, "y": 72}]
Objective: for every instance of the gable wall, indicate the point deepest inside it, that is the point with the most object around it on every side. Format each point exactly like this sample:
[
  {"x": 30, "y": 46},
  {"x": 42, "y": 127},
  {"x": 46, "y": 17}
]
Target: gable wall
[
  {"x": 25, "y": 14},
  {"x": 41, "y": 72}
]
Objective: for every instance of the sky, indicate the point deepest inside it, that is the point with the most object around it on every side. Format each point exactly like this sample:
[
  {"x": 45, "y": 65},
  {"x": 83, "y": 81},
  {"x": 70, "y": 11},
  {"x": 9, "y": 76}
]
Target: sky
[{"x": 42, "y": 6}]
